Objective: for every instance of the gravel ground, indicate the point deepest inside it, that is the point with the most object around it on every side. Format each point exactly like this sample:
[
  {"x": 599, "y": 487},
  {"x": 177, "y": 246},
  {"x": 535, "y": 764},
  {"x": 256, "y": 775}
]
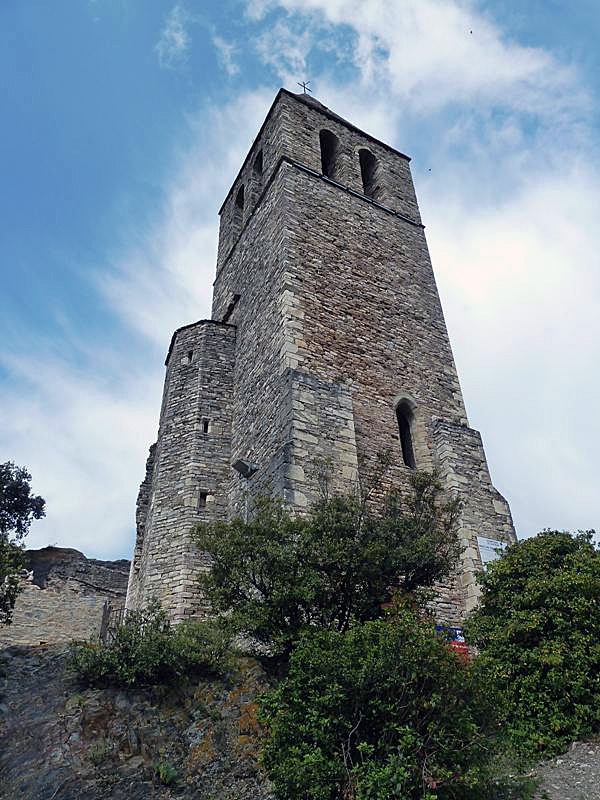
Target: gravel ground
[{"x": 575, "y": 775}]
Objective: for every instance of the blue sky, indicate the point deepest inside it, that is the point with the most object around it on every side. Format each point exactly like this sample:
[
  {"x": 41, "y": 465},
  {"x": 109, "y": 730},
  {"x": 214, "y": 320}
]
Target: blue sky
[{"x": 125, "y": 122}]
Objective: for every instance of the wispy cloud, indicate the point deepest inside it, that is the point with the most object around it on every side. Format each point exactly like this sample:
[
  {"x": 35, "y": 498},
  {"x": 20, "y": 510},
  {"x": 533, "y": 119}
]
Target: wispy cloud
[
  {"x": 432, "y": 53},
  {"x": 83, "y": 434},
  {"x": 226, "y": 53},
  {"x": 82, "y": 417},
  {"x": 173, "y": 45},
  {"x": 165, "y": 280},
  {"x": 285, "y": 47}
]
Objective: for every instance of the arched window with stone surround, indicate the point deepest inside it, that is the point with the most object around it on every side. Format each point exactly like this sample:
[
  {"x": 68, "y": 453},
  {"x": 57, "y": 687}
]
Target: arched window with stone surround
[
  {"x": 257, "y": 167},
  {"x": 238, "y": 210},
  {"x": 405, "y": 418},
  {"x": 368, "y": 172},
  {"x": 329, "y": 153},
  {"x": 257, "y": 175}
]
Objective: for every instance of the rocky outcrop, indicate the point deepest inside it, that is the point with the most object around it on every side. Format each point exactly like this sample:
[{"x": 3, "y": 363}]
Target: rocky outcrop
[
  {"x": 574, "y": 775},
  {"x": 64, "y": 597},
  {"x": 62, "y": 741}
]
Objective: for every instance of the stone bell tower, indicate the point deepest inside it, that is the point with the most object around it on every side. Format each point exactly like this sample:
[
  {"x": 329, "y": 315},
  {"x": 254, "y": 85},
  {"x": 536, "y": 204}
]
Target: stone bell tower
[{"x": 327, "y": 341}]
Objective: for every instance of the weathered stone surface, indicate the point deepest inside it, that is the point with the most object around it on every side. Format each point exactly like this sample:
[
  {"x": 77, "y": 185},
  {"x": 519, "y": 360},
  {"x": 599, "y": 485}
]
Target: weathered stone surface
[
  {"x": 188, "y": 468},
  {"x": 326, "y": 317},
  {"x": 64, "y": 596},
  {"x": 62, "y": 741}
]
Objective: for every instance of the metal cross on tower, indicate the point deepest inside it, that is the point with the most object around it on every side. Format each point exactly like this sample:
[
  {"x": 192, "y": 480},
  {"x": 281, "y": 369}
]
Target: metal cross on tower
[{"x": 304, "y": 85}]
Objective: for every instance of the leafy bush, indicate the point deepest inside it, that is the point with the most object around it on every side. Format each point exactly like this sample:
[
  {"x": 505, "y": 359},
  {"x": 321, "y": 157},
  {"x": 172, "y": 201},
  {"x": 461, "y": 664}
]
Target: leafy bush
[
  {"x": 278, "y": 574},
  {"x": 538, "y": 631},
  {"x": 148, "y": 651},
  {"x": 385, "y": 710},
  {"x": 166, "y": 773},
  {"x": 18, "y": 507}
]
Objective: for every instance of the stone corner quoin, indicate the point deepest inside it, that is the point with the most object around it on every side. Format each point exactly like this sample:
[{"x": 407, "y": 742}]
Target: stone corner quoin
[{"x": 327, "y": 341}]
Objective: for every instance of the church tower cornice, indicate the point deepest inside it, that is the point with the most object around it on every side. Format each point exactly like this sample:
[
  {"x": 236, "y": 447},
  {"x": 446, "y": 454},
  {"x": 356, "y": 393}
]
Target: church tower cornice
[{"x": 313, "y": 103}]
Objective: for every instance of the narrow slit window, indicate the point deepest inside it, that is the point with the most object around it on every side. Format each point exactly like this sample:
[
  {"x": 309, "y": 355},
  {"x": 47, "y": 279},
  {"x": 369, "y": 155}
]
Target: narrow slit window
[
  {"x": 190, "y": 356},
  {"x": 258, "y": 164},
  {"x": 202, "y": 499},
  {"x": 329, "y": 153},
  {"x": 205, "y": 425},
  {"x": 368, "y": 173},
  {"x": 404, "y": 416}
]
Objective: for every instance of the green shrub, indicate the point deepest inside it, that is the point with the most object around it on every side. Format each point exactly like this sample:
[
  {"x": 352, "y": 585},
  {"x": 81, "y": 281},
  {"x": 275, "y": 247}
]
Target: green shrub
[
  {"x": 277, "y": 574},
  {"x": 538, "y": 631},
  {"x": 18, "y": 507},
  {"x": 148, "y": 651},
  {"x": 165, "y": 772},
  {"x": 385, "y": 710}
]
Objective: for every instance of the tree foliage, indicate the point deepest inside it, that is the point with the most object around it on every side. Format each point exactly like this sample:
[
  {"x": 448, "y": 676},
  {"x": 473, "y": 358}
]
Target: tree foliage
[
  {"x": 18, "y": 507},
  {"x": 278, "y": 574},
  {"x": 384, "y": 710},
  {"x": 538, "y": 631},
  {"x": 148, "y": 651}
]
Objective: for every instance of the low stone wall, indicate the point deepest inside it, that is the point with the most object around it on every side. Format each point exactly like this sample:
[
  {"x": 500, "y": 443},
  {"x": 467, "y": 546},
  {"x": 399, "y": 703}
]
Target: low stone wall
[{"x": 63, "y": 597}]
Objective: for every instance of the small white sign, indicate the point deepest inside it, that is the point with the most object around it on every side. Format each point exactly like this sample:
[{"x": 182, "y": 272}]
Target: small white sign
[{"x": 489, "y": 549}]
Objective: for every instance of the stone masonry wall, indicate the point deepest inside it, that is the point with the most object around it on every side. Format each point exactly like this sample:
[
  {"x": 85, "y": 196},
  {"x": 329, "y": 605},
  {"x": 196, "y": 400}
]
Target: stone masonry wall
[
  {"x": 291, "y": 130},
  {"x": 188, "y": 470},
  {"x": 257, "y": 273},
  {"x": 337, "y": 319},
  {"x": 360, "y": 311},
  {"x": 460, "y": 459},
  {"x": 63, "y": 597}
]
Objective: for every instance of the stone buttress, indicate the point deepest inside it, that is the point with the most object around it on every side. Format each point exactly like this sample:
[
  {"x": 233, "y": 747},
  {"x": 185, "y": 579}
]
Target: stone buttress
[{"x": 327, "y": 344}]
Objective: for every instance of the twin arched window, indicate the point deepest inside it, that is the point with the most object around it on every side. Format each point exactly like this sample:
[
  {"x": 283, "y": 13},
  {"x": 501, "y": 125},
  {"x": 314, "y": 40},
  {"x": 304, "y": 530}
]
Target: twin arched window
[{"x": 369, "y": 166}]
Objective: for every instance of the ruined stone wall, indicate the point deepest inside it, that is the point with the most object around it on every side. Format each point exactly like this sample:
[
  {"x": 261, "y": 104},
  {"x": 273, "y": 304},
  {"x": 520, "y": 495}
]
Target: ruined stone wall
[
  {"x": 460, "y": 459},
  {"x": 63, "y": 597},
  {"x": 187, "y": 469}
]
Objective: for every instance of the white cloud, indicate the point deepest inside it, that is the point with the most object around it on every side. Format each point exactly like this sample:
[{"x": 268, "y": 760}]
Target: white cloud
[
  {"x": 165, "y": 281},
  {"x": 520, "y": 286},
  {"x": 226, "y": 53},
  {"x": 173, "y": 45},
  {"x": 82, "y": 419},
  {"x": 430, "y": 53},
  {"x": 511, "y": 204},
  {"x": 83, "y": 433},
  {"x": 285, "y": 48}
]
